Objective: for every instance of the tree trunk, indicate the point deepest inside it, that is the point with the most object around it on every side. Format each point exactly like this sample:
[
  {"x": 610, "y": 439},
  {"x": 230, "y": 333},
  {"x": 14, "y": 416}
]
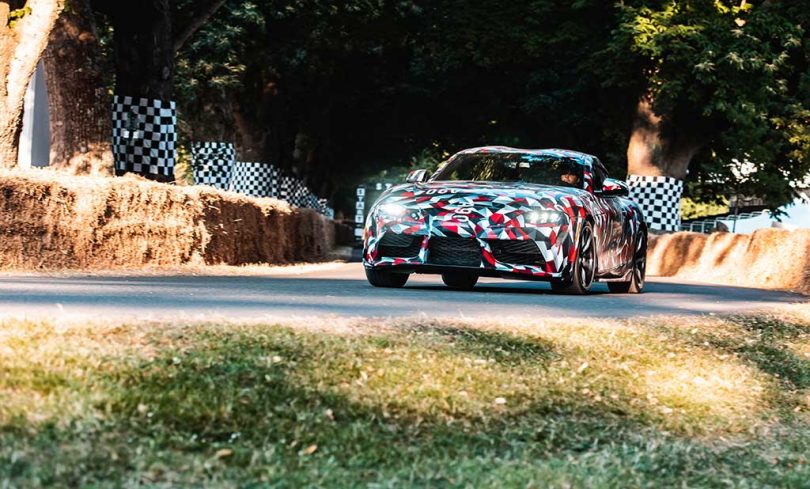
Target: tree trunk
[
  {"x": 21, "y": 45},
  {"x": 251, "y": 147},
  {"x": 144, "y": 49},
  {"x": 143, "y": 117},
  {"x": 78, "y": 97},
  {"x": 654, "y": 151},
  {"x": 658, "y": 158}
]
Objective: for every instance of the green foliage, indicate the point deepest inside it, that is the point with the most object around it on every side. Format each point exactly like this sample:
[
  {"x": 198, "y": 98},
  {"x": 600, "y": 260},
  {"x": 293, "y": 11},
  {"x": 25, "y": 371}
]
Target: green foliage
[
  {"x": 427, "y": 159},
  {"x": 339, "y": 92},
  {"x": 17, "y": 14},
  {"x": 311, "y": 86},
  {"x": 729, "y": 78},
  {"x": 692, "y": 209},
  {"x": 183, "y": 171}
]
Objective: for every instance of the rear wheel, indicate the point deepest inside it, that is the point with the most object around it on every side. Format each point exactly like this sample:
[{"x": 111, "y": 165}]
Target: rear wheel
[
  {"x": 386, "y": 278},
  {"x": 636, "y": 283},
  {"x": 584, "y": 269},
  {"x": 460, "y": 280}
]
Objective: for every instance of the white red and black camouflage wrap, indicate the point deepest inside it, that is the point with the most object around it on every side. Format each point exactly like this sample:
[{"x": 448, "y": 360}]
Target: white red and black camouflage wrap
[{"x": 493, "y": 212}]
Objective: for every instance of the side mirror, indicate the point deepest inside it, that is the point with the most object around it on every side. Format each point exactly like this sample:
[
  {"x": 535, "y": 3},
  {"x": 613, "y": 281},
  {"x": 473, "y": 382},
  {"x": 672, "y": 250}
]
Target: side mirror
[
  {"x": 614, "y": 188},
  {"x": 417, "y": 176}
]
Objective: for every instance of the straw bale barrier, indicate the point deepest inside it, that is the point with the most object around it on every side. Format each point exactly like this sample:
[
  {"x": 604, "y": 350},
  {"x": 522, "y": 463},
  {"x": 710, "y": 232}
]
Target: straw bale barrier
[
  {"x": 768, "y": 258},
  {"x": 51, "y": 220}
]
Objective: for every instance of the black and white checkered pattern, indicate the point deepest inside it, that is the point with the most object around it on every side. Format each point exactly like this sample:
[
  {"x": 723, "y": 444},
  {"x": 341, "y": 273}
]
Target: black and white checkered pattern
[
  {"x": 213, "y": 163},
  {"x": 253, "y": 178},
  {"x": 300, "y": 194},
  {"x": 144, "y": 136},
  {"x": 257, "y": 179},
  {"x": 284, "y": 190},
  {"x": 659, "y": 199}
]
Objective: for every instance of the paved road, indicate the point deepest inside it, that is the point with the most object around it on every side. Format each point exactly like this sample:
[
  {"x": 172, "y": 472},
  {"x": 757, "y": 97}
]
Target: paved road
[{"x": 342, "y": 290}]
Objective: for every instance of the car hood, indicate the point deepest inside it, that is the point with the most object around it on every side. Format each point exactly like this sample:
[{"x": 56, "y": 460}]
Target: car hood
[{"x": 423, "y": 195}]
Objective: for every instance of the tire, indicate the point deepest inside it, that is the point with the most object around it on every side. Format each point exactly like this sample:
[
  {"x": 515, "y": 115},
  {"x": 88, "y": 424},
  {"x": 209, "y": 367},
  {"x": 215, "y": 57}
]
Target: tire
[
  {"x": 386, "y": 278},
  {"x": 636, "y": 283},
  {"x": 584, "y": 270},
  {"x": 460, "y": 280}
]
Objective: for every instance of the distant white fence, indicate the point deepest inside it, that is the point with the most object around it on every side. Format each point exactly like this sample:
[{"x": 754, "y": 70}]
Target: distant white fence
[{"x": 727, "y": 221}]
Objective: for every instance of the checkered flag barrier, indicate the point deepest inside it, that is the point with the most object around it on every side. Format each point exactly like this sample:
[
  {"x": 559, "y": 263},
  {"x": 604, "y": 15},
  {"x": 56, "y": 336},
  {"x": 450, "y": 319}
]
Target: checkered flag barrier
[
  {"x": 262, "y": 180},
  {"x": 285, "y": 189},
  {"x": 659, "y": 199},
  {"x": 144, "y": 137},
  {"x": 253, "y": 178},
  {"x": 213, "y": 163}
]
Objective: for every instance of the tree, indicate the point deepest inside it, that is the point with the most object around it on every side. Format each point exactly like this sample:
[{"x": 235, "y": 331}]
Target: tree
[
  {"x": 78, "y": 93},
  {"x": 690, "y": 89},
  {"x": 723, "y": 86},
  {"x": 24, "y": 33},
  {"x": 144, "y": 49},
  {"x": 313, "y": 87}
]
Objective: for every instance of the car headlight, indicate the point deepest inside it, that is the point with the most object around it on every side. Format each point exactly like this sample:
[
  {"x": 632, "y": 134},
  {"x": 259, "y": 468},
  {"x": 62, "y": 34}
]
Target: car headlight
[
  {"x": 545, "y": 217},
  {"x": 392, "y": 210}
]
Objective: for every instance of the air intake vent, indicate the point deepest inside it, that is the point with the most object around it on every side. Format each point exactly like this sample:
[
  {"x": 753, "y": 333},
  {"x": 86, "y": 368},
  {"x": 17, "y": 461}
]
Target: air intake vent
[
  {"x": 516, "y": 252},
  {"x": 395, "y": 245},
  {"x": 461, "y": 252}
]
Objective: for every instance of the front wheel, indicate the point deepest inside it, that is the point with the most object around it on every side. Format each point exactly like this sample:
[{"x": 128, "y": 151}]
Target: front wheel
[
  {"x": 636, "y": 283},
  {"x": 386, "y": 278},
  {"x": 584, "y": 267},
  {"x": 460, "y": 280}
]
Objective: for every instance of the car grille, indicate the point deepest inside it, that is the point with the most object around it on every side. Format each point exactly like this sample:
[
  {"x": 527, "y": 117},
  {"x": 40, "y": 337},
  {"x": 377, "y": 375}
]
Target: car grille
[
  {"x": 463, "y": 252},
  {"x": 516, "y": 252},
  {"x": 400, "y": 245}
]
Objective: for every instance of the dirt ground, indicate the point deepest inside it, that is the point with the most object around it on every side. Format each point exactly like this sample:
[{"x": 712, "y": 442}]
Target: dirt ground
[{"x": 51, "y": 220}]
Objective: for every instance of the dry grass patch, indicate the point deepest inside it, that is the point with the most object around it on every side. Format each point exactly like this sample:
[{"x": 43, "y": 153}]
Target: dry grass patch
[{"x": 701, "y": 401}]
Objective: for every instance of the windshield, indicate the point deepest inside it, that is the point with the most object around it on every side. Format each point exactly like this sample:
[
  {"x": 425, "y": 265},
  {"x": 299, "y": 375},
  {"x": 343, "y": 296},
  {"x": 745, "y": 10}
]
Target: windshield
[{"x": 513, "y": 167}]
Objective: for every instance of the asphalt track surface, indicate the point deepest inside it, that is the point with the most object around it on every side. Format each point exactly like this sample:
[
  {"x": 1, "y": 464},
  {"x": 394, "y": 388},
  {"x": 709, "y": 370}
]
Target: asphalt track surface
[{"x": 341, "y": 290}]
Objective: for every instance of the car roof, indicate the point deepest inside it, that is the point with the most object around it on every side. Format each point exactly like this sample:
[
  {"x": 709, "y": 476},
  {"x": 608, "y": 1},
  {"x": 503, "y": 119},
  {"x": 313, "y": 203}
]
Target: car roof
[{"x": 581, "y": 158}]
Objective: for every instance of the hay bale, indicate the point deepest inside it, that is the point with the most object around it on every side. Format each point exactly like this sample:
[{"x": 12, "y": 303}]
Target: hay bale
[
  {"x": 50, "y": 220},
  {"x": 768, "y": 258}
]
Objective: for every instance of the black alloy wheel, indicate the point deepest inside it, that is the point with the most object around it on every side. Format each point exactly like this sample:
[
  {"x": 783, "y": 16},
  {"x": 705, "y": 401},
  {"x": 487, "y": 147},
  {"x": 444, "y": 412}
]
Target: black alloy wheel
[{"x": 584, "y": 270}]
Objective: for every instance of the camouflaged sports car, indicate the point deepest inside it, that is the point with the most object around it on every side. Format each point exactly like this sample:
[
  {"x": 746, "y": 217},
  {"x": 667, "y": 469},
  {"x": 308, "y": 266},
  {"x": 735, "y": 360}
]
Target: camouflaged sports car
[{"x": 550, "y": 215}]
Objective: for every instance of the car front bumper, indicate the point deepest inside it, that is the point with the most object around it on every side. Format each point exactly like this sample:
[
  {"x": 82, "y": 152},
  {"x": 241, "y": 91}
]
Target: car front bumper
[{"x": 547, "y": 257}]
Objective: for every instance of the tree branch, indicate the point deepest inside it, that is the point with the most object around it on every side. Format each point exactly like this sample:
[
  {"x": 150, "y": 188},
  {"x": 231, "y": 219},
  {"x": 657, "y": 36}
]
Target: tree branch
[
  {"x": 195, "y": 23},
  {"x": 20, "y": 49}
]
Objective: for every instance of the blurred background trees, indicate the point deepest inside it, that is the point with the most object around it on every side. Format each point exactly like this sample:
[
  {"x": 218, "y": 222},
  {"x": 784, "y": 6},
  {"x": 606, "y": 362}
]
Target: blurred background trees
[
  {"x": 697, "y": 89},
  {"x": 716, "y": 92}
]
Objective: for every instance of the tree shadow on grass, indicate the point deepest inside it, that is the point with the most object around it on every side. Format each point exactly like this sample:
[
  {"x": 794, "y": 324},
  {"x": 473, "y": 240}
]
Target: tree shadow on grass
[
  {"x": 271, "y": 394},
  {"x": 504, "y": 348}
]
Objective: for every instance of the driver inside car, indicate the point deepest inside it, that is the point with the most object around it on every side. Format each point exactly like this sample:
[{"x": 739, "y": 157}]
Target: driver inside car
[{"x": 569, "y": 178}]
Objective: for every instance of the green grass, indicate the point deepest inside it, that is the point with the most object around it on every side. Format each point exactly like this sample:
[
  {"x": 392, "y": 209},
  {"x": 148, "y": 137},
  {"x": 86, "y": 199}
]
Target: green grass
[{"x": 670, "y": 402}]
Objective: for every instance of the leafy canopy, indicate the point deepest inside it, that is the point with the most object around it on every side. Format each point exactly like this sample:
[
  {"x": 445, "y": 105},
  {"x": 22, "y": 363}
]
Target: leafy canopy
[{"x": 336, "y": 92}]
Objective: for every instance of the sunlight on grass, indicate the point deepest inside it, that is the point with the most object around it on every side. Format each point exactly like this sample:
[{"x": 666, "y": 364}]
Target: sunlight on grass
[{"x": 439, "y": 402}]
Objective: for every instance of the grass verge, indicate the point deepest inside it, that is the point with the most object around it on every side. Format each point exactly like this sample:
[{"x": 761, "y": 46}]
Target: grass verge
[{"x": 659, "y": 402}]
